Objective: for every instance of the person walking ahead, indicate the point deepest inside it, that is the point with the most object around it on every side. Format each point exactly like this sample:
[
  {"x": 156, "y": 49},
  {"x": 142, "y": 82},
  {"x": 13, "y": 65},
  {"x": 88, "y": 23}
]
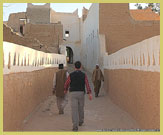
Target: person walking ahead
[
  {"x": 58, "y": 87},
  {"x": 77, "y": 81},
  {"x": 97, "y": 76}
]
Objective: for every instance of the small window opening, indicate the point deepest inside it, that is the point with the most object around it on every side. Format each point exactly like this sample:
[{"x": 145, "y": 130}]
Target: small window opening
[{"x": 67, "y": 34}]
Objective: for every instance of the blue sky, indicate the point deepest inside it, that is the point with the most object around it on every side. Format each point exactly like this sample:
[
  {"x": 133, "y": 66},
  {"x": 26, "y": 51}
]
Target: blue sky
[{"x": 59, "y": 7}]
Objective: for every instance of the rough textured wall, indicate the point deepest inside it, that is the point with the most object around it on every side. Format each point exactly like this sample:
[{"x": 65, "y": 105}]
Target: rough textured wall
[
  {"x": 84, "y": 13},
  {"x": 38, "y": 14},
  {"x": 70, "y": 22},
  {"x": 90, "y": 38},
  {"x": 120, "y": 29},
  {"x": 22, "y": 93},
  {"x": 14, "y": 20},
  {"x": 144, "y": 14},
  {"x": 10, "y": 36},
  {"x": 50, "y": 35},
  {"x": 138, "y": 93}
]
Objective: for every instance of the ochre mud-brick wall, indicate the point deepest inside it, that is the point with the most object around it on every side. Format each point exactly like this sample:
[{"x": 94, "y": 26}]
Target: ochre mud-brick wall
[
  {"x": 22, "y": 93},
  {"x": 138, "y": 93},
  {"x": 120, "y": 29}
]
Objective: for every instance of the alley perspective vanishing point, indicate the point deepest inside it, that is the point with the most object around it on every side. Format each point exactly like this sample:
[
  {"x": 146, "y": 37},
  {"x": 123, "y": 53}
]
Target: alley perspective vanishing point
[{"x": 124, "y": 42}]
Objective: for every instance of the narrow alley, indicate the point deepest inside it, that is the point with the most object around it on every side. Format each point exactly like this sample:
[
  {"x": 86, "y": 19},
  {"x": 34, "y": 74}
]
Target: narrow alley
[
  {"x": 123, "y": 40},
  {"x": 100, "y": 115}
]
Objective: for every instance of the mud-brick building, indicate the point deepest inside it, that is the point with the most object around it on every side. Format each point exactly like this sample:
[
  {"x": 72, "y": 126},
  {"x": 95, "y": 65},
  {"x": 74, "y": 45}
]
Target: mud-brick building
[
  {"x": 51, "y": 28},
  {"x": 125, "y": 43},
  {"x": 35, "y": 24}
]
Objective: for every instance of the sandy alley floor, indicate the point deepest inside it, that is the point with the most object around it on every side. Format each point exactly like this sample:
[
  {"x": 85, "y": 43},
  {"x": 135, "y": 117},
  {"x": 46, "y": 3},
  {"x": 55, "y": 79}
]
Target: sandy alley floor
[{"x": 100, "y": 114}]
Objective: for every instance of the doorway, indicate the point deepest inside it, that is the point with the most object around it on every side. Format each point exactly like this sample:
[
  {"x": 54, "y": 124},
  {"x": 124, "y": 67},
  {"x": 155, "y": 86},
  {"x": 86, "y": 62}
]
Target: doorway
[
  {"x": 21, "y": 29},
  {"x": 69, "y": 55}
]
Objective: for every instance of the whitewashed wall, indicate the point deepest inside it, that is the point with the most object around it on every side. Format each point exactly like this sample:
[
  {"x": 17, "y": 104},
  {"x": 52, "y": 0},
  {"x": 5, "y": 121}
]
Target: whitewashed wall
[
  {"x": 70, "y": 22},
  {"x": 144, "y": 55},
  {"x": 90, "y": 38},
  {"x": 19, "y": 58}
]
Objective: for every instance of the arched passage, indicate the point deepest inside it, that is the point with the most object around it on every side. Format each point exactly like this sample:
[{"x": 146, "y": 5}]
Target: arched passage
[{"x": 69, "y": 55}]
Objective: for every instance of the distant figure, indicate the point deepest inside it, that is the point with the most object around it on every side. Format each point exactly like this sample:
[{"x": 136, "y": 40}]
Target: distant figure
[
  {"x": 77, "y": 81},
  {"x": 97, "y": 77},
  {"x": 58, "y": 87}
]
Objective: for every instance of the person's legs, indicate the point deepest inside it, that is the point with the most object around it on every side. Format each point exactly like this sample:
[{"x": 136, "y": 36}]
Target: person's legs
[
  {"x": 98, "y": 83},
  {"x": 95, "y": 88},
  {"x": 64, "y": 102},
  {"x": 59, "y": 104},
  {"x": 74, "y": 110},
  {"x": 81, "y": 108}
]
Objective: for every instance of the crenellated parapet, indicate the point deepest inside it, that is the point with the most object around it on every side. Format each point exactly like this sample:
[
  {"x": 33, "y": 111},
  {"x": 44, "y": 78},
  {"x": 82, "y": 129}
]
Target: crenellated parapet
[
  {"x": 144, "y": 55},
  {"x": 23, "y": 59}
]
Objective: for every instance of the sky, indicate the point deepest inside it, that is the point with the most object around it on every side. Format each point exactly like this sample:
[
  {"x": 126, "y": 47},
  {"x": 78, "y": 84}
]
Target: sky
[{"x": 58, "y": 7}]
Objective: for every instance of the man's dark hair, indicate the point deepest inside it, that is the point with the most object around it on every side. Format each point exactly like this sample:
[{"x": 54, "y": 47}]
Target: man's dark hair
[
  {"x": 77, "y": 64},
  {"x": 60, "y": 66}
]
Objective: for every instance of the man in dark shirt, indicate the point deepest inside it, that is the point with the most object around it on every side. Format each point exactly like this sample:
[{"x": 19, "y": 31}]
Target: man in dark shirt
[{"x": 77, "y": 81}]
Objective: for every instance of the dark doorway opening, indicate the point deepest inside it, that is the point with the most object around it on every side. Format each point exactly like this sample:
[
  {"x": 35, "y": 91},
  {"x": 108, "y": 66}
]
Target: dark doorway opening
[
  {"x": 21, "y": 29},
  {"x": 69, "y": 55}
]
